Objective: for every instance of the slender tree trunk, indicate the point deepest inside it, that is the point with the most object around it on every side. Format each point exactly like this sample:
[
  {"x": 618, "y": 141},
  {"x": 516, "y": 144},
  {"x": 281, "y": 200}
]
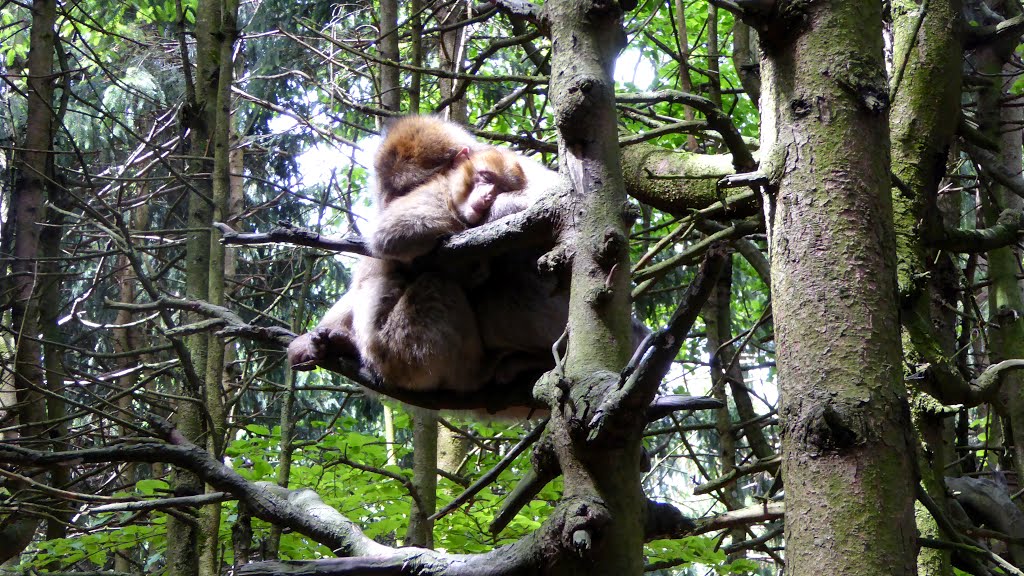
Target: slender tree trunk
[
  {"x": 925, "y": 90},
  {"x": 847, "y": 455},
  {"x": 287, "y": 421},
  {"x": 685, "y": 83},
  {"x": 451, "y": 56},
  {"x": 390, "y": 89},
  {"x": 125, "y": 339},
  {"x": 714, "y": 77},
  {"x": 50, "y": 282},
  {"x": 34, "y": 172},
  {"x": 424, "y": 478},
  {"x": 746, "y": 60},
  {"x": 1005, "y": 304},
  {"x": 221, "y": 185},
  {"x": 183, "y": 546},
  {"x": 1000, "y": 119},
  {"x": 416, "y": 54},
  {"x": 717, "y": 322}
]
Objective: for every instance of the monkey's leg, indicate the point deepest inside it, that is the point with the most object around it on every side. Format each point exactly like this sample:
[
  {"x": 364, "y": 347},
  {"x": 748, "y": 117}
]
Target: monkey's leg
[
  {"x": 332, "y": 337},
  {"x": 321, "y": 343},
  {"x": 429, "y": 339}
]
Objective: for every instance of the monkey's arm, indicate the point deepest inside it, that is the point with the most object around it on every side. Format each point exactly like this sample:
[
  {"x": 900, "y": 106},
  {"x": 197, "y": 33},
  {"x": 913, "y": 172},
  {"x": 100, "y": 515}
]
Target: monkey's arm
[{"x": 412, "y": 225}]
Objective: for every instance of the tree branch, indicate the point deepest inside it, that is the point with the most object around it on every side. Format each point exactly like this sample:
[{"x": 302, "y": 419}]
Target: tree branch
[
  {"x": 1005, "y": 232},
  {"x": 742, "y": 517},
  {"x": 286, "y": 233},
  {"x": 653, "y": 358},
  {"x": 743, "y": 160}
]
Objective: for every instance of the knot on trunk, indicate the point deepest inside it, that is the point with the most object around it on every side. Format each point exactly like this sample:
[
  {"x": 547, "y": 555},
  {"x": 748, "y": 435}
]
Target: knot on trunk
[{"x": 833, "y": 428}]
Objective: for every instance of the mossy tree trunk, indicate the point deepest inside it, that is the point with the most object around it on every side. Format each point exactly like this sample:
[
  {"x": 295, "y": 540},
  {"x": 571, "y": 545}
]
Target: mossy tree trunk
[
  {"x": 207, "y": 116},
  {"x": 603, "y": 505},
  {"x": 847, "y": 462},
  {"x": 925, "y": 90},
  {"x": 999, "y": 118},
  {"x": 221, "y": 191}
]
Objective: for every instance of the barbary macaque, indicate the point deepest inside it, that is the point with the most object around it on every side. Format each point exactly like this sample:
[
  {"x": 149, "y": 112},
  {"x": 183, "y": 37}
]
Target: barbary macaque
[{"x": 422, "y": 329}]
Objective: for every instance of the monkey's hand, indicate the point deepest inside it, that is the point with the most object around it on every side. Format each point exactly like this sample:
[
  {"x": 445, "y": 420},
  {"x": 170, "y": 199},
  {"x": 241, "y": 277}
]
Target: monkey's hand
[{"x": 310, "y": 349}]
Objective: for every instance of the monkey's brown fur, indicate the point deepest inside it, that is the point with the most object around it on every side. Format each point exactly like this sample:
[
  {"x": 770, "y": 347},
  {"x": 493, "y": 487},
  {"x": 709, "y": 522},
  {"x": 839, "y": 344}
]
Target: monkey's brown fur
[
  {"x": 414, "y": 150},
  {"x": 422, "y": 329}
]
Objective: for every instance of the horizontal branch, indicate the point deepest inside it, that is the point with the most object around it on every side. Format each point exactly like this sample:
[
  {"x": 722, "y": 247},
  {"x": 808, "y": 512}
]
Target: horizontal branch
[
  {"x": 230, "y": 323},
  {"x": 743, "y": 160},
  {"x": 1007, "y": 230},
  {"x": 337, "y": 533},
  {"x": 301, "y": 510},
  {"x": 767, "y": 465},
  {"x": 742, "y": 517},
  {"x": 285, "y": 233},
  {"x": 177, "y": 502}
]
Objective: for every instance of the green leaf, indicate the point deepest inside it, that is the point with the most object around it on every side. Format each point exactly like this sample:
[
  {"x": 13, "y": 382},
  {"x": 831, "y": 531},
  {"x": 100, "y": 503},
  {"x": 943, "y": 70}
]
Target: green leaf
[
  {"x": 258, "y": 429},
  {"x": 151, "y": 486}
]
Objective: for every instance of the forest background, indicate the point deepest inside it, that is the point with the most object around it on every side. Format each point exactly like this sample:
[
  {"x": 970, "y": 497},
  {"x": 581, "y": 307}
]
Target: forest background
[{"x": 825, "y": 206}]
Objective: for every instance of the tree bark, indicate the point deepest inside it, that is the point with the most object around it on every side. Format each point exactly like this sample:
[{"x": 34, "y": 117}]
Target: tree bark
[
  {"x": 717, "y": 321},
  {"x": 183, "y": 546},
  {"x": 35, "y": 171},
  {"x": 390, "y": 89},
  {"x": 602, "y": 503},
  {"x": 925, "y": 90},
  {"x": 847, "y": 457}
]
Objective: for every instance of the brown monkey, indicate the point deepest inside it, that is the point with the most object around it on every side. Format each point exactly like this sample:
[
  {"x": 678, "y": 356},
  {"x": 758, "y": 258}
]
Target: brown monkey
[
  {"x": 426, "y": 329},
  {"x": 417, "y": 329},
  {"x": 414, "y": 150}
]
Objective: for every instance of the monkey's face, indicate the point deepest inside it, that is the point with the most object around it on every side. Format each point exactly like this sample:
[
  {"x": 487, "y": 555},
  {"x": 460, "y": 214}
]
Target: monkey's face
[
  {"x": 488, "y": 174},
  {"x": 480, "y": 198}
]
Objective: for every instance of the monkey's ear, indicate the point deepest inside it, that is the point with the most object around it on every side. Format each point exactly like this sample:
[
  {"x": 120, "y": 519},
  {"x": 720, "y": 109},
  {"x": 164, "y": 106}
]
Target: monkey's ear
[{"x": 461, "y": 157}]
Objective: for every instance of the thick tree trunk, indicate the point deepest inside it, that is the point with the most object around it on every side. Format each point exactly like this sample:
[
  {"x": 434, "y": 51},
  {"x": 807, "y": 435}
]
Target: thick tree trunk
[
  {"x": 602, "y": 482},
  {"x": 847, "y": 458}
]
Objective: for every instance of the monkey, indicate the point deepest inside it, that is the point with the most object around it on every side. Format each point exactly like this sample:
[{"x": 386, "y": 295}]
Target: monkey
[
  {"x": 417, "y": 329},
  {"x": 435, "y": 328},
  {"x": 414, "y": 150}
]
